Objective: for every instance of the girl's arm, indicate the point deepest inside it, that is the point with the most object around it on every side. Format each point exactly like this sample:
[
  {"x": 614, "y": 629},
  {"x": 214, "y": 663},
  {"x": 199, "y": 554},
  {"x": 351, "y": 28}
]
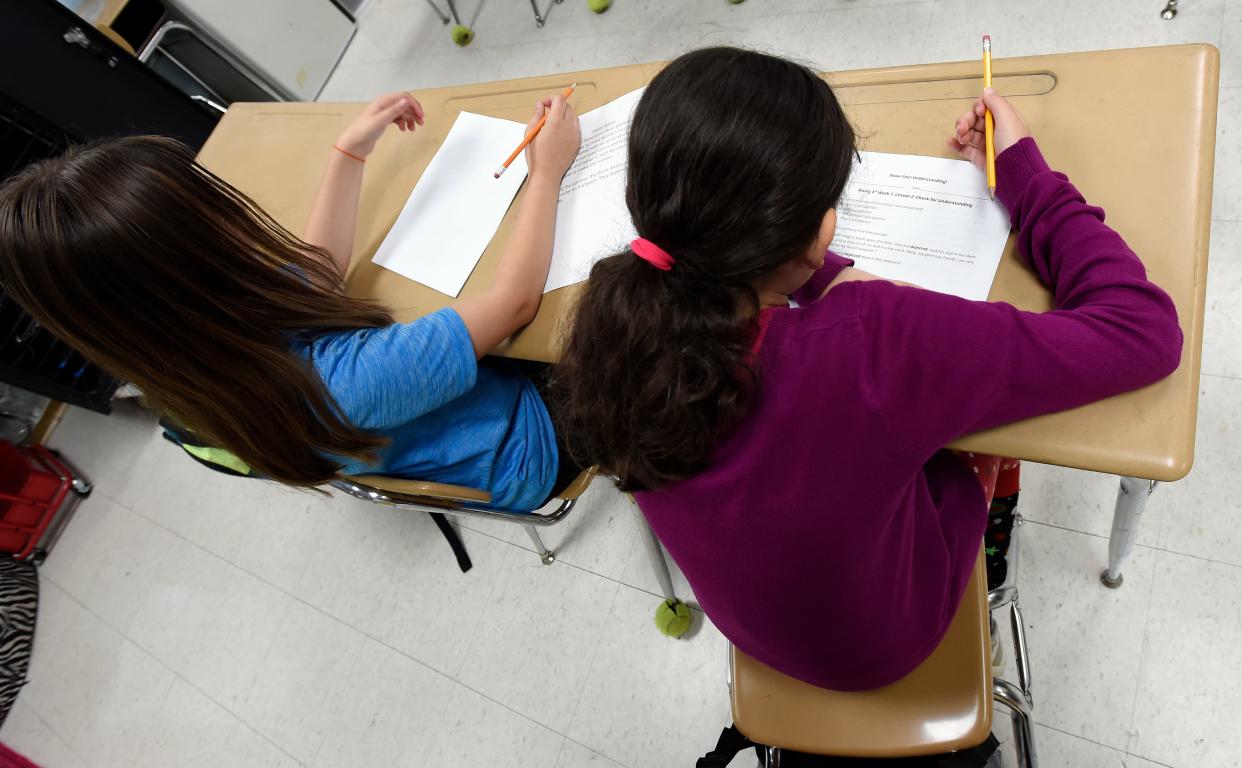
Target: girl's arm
[
  {"x": 514, "y": 297},
  {"x": 937, "y": 366},
  {"x": 334, "y": 215}
]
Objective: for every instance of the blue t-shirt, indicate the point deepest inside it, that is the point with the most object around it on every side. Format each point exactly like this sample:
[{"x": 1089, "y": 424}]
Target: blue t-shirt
[{"x": 449, "y": 419}]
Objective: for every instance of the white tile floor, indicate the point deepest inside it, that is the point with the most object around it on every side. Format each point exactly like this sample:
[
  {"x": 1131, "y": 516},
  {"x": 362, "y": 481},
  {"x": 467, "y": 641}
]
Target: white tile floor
[{"x": 193, "y": 620}]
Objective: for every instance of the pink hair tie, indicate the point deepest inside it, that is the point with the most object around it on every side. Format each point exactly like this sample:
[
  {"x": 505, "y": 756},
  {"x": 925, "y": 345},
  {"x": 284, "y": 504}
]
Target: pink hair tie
[{"x": 652, "y": 254}]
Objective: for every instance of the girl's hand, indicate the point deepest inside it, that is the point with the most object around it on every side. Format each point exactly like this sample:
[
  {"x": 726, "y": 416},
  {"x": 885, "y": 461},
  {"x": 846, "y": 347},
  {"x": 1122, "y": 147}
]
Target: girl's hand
[
  {"x": 400, "y": 109},
  {"x": 967, "y": 140},
  {"x": 556, "y": 146}
]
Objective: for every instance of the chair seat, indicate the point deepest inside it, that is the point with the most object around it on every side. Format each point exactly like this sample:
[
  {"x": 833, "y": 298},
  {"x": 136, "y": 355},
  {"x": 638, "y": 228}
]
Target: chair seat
[
  {"x": 425, "y": 488},
  {"x": 443, "y": 494},
  {"x": 945, "y": 704}
]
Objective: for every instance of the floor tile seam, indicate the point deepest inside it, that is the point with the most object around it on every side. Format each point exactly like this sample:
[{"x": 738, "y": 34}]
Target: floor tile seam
[
  {"x": 336, "y": 707},
  {"x": 473, "y": 635},
  {"x": 1142, "y": 660},
  {"x": 146, "y": 739},
  {"x": 366, "y": 633},
  {"x": 1218, "y": 375},
  {"x": 1071, "y": 734},
  {"x": 596, "y": 751},
  {"x": 236, "y": 715},
  {"x": 47, "y": 723},
  {"x": 471, "y": 688},
  {"x": 590, "y": 665},
  {"x": 125, "y": 638},
  {"x": 1192, "y": 556},
  {"x": 1137, "y": 545}
]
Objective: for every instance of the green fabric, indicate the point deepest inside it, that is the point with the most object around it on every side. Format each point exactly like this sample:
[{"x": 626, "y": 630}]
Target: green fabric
[{"x": 219, "y": 457}]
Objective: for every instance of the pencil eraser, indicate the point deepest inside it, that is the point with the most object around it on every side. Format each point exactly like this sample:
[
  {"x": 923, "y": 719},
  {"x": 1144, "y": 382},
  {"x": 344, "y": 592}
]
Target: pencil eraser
[{"x": 988, "y": 38}]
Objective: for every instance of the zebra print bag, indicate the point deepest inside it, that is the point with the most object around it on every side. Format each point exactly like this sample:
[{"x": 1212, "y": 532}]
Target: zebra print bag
[{"x": 19, "y": 604}]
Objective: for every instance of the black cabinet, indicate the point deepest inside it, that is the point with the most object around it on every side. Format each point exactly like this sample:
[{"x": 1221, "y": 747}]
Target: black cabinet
[{"x": 62, "y": 81}]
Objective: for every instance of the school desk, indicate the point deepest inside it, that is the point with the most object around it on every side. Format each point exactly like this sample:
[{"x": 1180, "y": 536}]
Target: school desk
[{"x": 1133, "y": 129}]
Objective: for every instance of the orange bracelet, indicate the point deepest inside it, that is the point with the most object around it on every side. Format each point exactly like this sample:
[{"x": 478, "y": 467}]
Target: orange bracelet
[{"x": 347, "y": 153}]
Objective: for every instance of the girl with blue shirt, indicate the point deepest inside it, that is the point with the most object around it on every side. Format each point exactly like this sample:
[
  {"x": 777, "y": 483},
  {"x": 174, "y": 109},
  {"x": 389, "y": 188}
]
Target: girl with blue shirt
[{"x": 168, "y": 277}]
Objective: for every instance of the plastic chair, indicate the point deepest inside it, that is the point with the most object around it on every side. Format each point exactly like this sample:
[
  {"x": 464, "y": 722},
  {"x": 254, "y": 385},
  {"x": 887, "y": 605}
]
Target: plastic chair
[
  {"x": 464, "y": 502},
  {"x": 944, "y": 705}
]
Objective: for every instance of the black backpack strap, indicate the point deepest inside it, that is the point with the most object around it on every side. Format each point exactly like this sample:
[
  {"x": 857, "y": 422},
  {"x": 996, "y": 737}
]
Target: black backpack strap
[
  {"x": 731, "y": 742},
  {"x": 454, "y": 541},
  {"x": 974, "y": 757}
]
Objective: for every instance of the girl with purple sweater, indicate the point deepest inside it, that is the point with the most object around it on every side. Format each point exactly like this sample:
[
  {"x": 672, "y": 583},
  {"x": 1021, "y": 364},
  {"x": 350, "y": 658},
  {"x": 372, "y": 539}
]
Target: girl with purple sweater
[{"x": 791, "y": 459}]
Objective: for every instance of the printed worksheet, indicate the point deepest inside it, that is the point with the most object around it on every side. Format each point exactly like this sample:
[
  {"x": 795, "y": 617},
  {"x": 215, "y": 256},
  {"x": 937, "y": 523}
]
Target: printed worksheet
[
  {"x": 922, "y": 220},
  {"x": 457, "y": 205},
  {"x": 591, "y": 218}
]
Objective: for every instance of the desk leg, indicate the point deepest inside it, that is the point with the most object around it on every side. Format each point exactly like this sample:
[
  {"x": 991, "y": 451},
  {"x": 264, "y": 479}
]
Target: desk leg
[{"x": 1131, "y": 501}]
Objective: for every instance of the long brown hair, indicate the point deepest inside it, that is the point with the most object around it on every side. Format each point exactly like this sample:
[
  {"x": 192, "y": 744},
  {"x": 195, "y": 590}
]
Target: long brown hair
[
  {"x": 735, "y": 157},
  {"x": 168, "y": 277}
]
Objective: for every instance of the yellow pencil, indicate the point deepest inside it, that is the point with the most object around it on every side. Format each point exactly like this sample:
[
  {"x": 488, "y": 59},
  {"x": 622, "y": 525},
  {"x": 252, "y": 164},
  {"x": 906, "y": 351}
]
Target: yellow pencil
[
  {"x": 530, "y": 136},
  {"x": 989, "y": 129}
]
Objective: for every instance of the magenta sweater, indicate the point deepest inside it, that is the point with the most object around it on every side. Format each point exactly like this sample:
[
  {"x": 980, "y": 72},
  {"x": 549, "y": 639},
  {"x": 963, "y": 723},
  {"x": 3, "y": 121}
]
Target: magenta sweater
[{"x": 832, "y": 537}]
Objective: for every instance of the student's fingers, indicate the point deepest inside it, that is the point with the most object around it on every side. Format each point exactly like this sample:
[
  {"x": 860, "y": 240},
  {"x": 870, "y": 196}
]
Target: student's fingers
[
  {"x": 967, "y": 151},
  {"x": 539, "y": 110},
  {"x": 966, "y": 122},
  {"x": 395, "y": 109},
  {"x": 1002, "y": 111},
  {"x": 1000, "y": 106},
  {"x": 420, "y": 116},
  {"x": 556, "y": 109},
  {"x": 388, "y": 102},
  {"x": 962, "y": 127},
  {"x": 1010, "y": 127}
]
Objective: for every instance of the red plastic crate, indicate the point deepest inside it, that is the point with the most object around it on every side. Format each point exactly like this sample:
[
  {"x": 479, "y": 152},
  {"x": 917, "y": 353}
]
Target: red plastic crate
[{"x": 33, "y": 485}]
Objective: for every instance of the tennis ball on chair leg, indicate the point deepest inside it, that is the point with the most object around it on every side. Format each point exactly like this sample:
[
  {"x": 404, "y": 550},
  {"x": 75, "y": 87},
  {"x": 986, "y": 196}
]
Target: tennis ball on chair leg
[
  {"x": 599, "y": 6},
  {"x": 462, "y": 35},
  {"x": 673, "y": 618}
]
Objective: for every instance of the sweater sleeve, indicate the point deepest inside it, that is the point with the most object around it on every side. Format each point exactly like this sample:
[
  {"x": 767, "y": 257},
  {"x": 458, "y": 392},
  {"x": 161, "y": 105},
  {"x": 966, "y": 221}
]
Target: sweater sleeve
[{"x": 937, "y": 366}]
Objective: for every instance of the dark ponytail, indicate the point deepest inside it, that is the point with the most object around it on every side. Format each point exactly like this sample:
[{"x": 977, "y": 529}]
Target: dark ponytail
[{"x": 734, "y": 159}]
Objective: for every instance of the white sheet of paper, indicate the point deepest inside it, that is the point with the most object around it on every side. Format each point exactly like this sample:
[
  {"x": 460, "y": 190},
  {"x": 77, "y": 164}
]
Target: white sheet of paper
[
  {"x": 922, "y": 220},
  {"x": 591, "y": 218},
  {"x": 456, "y": 206}
]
